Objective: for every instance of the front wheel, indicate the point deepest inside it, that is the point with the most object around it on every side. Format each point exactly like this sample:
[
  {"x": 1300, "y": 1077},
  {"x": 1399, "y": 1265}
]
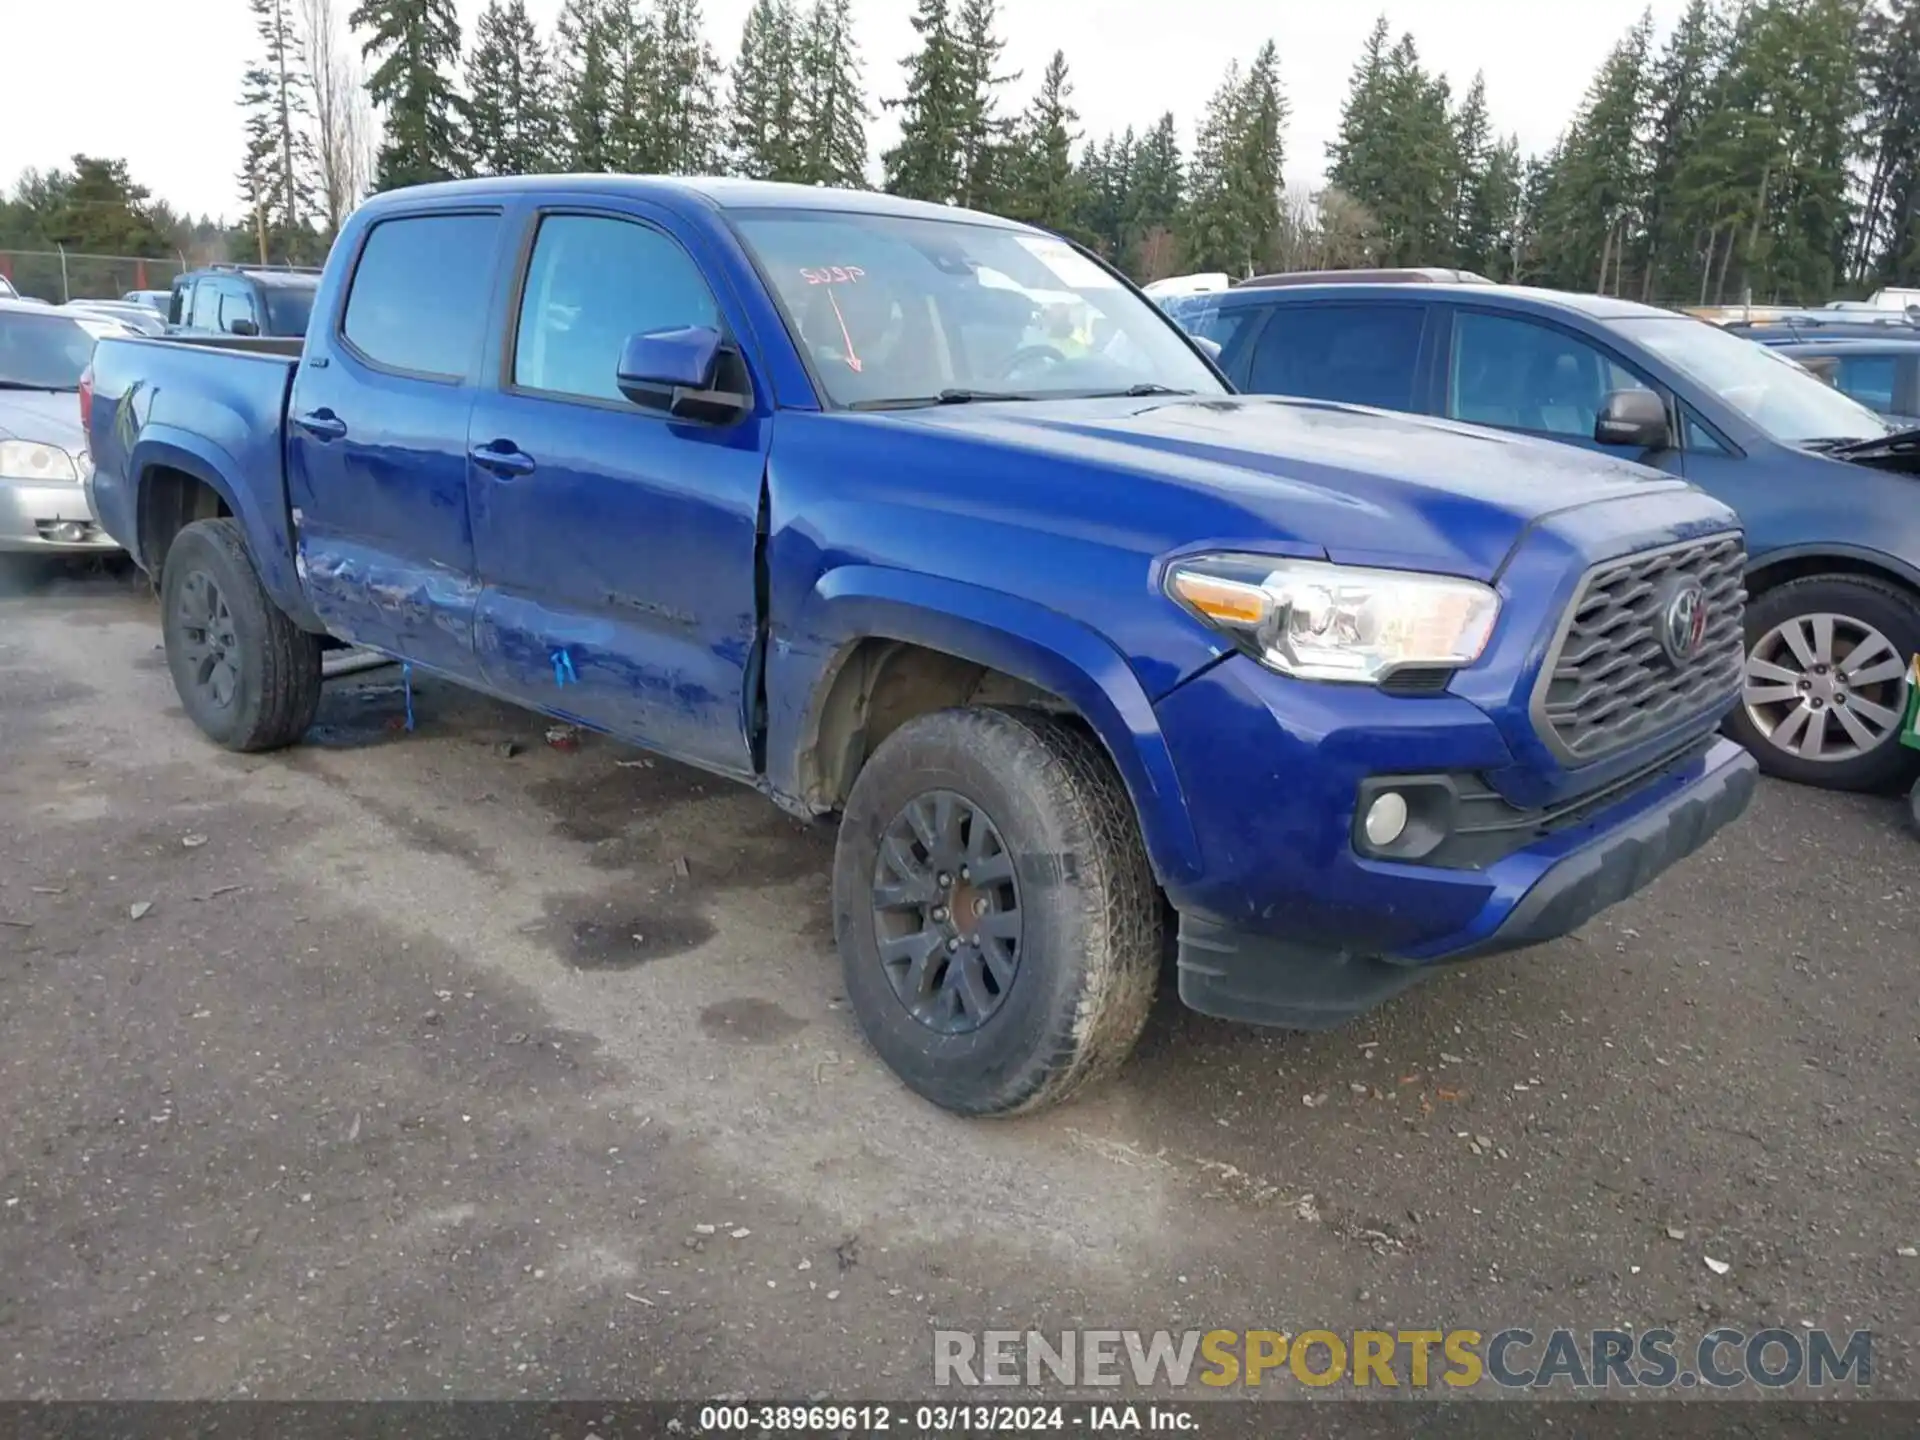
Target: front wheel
[
  {"x": 246, "y": 674},
  {"x": 1825, "y": 683},
  {"x": 997, "y": 920}
]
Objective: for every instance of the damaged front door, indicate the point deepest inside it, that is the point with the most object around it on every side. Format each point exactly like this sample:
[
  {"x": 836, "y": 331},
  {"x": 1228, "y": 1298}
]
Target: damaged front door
[
  {"x": 615, "y": 543},
  {"x": 377, "y": 441}
]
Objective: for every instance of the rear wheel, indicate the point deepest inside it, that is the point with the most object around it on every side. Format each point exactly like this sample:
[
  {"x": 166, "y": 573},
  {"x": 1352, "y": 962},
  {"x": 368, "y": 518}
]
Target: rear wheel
[
  {"x": 1825, "y": 683},
  {"x": 998, "y": 923},
  {"x": 246, "y": 674}
]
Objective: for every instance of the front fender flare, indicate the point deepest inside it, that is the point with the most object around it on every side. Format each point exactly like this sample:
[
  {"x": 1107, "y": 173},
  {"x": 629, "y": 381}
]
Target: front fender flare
[{"x": 1017, "y": 637}]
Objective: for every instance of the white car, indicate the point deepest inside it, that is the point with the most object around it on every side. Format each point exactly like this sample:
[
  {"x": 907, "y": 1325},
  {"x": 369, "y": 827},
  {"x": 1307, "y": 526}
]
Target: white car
[{"x": 44, "y": 465}]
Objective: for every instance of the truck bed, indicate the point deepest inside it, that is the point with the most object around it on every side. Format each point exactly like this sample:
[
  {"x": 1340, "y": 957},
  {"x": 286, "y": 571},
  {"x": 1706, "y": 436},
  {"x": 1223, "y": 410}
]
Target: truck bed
[{"x": 216, "y": 412}]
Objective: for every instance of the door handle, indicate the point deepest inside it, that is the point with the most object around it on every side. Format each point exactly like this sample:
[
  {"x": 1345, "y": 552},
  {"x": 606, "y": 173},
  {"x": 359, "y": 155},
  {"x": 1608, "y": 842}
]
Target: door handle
[
  {"x": 503, "y": 458},
  {"x": 322, "y": 424}
]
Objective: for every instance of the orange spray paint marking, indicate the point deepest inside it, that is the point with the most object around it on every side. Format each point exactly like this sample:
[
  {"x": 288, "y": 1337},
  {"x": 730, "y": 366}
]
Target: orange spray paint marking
[{"x": 853, "y": 360}]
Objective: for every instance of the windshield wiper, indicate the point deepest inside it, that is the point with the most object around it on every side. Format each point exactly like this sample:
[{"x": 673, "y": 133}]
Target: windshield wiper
[
  {"x": 1894, "y": 440},
  {"x": 1151, "y": 387},
  {"x": 945, "y": 397}
]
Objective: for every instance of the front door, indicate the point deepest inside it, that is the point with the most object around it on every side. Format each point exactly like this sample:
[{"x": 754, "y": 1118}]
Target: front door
[
  {"x": 377, "y": 441},
  {"x": 615, "y": 544}
]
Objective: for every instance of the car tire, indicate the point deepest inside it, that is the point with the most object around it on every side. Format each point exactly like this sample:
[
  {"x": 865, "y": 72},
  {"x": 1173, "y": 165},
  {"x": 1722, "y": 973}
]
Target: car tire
[
  {"x": 246, "y": 674},
  {"x": 1035, "y": 981},
  {"x": 1792, "y": 630}
]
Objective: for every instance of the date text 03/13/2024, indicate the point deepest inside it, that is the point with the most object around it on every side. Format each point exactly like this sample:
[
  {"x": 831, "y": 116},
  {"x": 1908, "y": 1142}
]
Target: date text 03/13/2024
[{"x": 946, "y": 1419}]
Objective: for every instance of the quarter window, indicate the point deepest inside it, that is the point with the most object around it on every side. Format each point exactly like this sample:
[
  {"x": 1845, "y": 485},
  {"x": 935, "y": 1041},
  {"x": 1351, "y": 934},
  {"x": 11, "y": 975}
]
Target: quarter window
[
  {"x": 592, "y": 282},
  {"x": 420, "y": 293}
]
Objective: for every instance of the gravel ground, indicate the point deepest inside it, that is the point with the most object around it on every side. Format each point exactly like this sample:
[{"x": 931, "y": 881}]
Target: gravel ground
[{"x": 448, "y": 1063}]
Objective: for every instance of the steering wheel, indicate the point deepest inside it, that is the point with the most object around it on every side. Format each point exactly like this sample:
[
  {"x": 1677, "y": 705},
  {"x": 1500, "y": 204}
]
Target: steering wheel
[{"x": 1027, "y": 355}]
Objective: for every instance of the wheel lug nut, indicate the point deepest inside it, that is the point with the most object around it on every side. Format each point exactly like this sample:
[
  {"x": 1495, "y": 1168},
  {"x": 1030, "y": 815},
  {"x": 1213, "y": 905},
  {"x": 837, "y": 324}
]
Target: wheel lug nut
[
  {"x": 945, "y": 879},
  {"x": 1806, "y": 684},
  {"x": 966, "y": 874},
  {"x": 980, "y": 906},
  {"x": 939, "y": 912},
  {"x": 1819, "y": 704},
  {"x": 974, "y": 941},
  {"x": 953, "y": 944}
]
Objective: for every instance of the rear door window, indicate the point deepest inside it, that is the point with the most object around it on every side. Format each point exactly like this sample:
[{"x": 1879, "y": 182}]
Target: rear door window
[
  {"x": 421, "y": 292},
  {"x": 1359, "y": 354}
]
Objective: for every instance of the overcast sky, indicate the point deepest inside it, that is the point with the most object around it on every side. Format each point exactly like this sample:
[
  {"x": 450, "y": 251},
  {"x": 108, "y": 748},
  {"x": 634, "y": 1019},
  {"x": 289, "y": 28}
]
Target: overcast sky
[{"x": 158, "y": 85}]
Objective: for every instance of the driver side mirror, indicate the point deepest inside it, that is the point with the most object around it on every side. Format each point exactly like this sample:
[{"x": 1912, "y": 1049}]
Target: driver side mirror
[
  {"x": 691, "y": 372},
  {"x": 1212, "y": 347},
  {"x": 243, "y": 327},
  {"x": 1635, "y": 419}
]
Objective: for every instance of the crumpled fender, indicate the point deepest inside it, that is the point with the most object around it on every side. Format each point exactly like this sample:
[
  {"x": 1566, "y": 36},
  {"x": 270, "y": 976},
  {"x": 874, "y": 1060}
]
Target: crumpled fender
[{"x": 1017, "y": 637}]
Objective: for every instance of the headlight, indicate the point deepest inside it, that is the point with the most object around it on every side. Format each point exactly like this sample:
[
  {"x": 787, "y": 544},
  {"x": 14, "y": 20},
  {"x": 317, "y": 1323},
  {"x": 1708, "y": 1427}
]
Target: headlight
[
  {"x": 29, "y": 460},
  {"x": 1337, "y": 622}
]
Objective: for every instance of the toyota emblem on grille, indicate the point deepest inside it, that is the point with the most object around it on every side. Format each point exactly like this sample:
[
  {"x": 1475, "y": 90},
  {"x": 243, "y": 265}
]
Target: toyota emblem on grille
[{"x": 1683, "y": 623}]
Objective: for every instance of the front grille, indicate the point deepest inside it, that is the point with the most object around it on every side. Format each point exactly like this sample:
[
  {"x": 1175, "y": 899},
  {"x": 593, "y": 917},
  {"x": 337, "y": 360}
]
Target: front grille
[{"x": 1610, "y": 680}]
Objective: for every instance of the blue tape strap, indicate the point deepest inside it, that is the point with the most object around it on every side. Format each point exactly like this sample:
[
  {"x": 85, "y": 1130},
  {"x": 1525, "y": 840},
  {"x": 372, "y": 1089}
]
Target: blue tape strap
[
  {"x": 563, "y": 671},
  {"x": 406, "y": 683}
]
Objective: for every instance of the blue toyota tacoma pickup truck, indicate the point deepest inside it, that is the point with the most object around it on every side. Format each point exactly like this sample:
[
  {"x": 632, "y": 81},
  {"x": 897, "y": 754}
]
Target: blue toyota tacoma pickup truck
[{"x": 931, "y": 522}]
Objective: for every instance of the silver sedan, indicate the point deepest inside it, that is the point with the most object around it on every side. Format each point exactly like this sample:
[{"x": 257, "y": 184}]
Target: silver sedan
[{"x": 44, "y": 464}]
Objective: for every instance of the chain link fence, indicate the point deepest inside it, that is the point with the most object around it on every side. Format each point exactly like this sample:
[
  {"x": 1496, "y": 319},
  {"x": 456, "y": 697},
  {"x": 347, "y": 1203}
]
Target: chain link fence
[{"x": 62, "y": 275}]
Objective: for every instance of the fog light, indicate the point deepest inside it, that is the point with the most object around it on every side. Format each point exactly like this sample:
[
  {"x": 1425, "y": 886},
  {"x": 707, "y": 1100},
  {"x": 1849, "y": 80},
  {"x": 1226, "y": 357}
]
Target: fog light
[{"x": 1386, "y": 819}]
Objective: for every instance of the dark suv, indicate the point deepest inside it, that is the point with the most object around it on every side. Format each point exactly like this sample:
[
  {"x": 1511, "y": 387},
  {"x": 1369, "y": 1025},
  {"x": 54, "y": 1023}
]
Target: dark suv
[
  {"x": 1825, "y": 487},
  {"x": 244, "y": 300}
]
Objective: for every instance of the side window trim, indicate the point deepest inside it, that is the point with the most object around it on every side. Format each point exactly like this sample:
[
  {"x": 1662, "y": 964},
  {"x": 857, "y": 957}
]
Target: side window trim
[
  {"x": 1444, "y": 392},
  {"x": 337, "y": 329},
  {"x": 526, "y": 242},
  {"x": 1237, "y": 363}
]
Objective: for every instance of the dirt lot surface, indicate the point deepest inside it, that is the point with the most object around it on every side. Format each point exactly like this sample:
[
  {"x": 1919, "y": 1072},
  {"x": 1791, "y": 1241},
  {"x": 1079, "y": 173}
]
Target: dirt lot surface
[{"x": 449, "y": 1063}]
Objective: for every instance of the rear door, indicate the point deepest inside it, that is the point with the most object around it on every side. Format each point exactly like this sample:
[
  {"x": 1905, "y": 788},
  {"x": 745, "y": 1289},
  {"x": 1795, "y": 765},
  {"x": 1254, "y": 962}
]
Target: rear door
[
  {"x": 1357, "y": 352},
  {"x": 377, "y": 438},
  {"x": 615, "y": 543}
]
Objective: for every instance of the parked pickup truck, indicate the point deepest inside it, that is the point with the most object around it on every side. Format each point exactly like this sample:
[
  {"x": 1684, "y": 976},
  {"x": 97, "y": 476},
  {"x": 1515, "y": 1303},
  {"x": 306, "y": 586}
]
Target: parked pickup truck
[{"x": 827, "y": 493}]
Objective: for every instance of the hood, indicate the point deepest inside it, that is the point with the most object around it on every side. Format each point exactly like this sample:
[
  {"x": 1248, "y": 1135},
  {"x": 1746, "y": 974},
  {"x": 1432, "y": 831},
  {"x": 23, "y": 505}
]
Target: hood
[
  {"x": 1366, "y": 486},
  {"x": 49, "y": 416}
]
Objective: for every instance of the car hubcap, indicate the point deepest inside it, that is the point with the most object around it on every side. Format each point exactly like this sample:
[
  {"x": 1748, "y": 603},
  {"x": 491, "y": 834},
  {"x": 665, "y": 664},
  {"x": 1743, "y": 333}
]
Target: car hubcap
[
  {"x": 207, "y": 640},
  {"x": 946, "y": 912},
  {"x": 1825, "y": 687}
]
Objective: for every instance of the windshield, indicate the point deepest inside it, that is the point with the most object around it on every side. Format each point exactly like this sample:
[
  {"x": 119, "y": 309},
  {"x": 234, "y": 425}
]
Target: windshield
[
  {"x": 1779, "y": 396},
  {"x": 288, "y": 307},
  {"x": 893, "y": 310},
  {"x": 47, "y": 352}
]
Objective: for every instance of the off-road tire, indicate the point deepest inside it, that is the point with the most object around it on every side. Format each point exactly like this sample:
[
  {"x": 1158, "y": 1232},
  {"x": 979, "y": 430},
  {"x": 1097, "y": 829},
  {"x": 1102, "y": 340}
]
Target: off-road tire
[
  {"x": 1896, "y": 615},
  {"x": 278, "y": 664},
  {"x": 1090, "y": 950}
]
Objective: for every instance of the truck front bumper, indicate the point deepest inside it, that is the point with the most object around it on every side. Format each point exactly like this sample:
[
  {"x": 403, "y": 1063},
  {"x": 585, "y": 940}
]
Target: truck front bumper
[
  {"x": 1290, "y": 923},
  {"x": 1263, "y": 980}
]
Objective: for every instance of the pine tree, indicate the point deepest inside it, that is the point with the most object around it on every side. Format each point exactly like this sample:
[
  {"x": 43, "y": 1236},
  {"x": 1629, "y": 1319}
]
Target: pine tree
[
  {"x": 1398, "y": 153},
  {"x": 985, "y": 135},
  {"x": 926, "y": 163},
  {"x": 1679, "y": 92},
  {"x": 762, "y": 141},
  {"x": 277, "y": 173},
  {"x": 831, "y": 106},
  {"x": 1887, "y": 240},
  {"x": 1359, "y": 162},
  {"x": 1596, "y": 203},
  {"x": 687, "y": 105},
  {"x": 1472, "y": 154},
  {"x": 418, "y": 45},
  {"x": 634, "y": 144},
  {"x": 515, "y": 126},
  {"x": 1233, "y": 218},
  {"x": 586, "y": 77},
  {"x": 1045, "y": 187},
  {"x": 1155, "y": 197}
]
